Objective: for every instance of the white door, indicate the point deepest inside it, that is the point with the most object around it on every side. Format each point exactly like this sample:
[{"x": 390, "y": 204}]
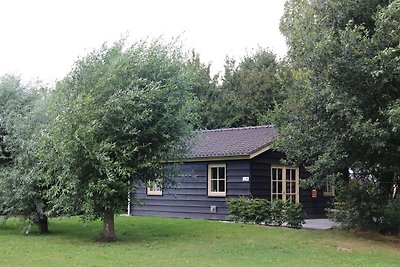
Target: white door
[{"x": 285, "y": 183}]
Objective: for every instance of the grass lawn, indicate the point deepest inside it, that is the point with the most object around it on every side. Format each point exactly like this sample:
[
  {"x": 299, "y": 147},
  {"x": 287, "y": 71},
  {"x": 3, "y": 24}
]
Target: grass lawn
[{"x": 154, "y": 241}]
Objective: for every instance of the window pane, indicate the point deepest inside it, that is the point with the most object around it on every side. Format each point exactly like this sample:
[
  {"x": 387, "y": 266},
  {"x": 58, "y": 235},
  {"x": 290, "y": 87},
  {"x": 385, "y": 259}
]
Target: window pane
[
  {"x": 221, "y": 172},
  {"x": 279, "y": 187},
  {"x": 213, "y": 185},
  {"x": 288, "y": 188},
  {"x": 221, "y": 186},
  {"x": 294, "y": 175},
  {"x": 213, "y": 173},
  {"x": 154, "y": 187},
  {"x": 280, "y": 174},
  {"x": 273, "y": 187},
  {"x": 288, "y": 176},
  {"x": 273, "y": 174}
]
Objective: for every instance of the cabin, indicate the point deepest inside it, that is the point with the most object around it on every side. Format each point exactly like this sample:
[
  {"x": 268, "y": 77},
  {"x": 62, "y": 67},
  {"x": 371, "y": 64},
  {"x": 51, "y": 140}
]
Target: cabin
[{"x": 230, "y": 163}]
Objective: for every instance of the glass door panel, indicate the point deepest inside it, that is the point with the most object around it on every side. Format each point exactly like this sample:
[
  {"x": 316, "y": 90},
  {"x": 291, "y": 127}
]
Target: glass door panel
[{"x": 284, "y": 183}]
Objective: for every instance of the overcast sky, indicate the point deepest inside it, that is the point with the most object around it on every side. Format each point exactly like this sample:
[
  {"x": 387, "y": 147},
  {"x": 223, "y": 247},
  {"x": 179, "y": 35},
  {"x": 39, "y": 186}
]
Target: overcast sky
[{"x": 42, "y": 38}]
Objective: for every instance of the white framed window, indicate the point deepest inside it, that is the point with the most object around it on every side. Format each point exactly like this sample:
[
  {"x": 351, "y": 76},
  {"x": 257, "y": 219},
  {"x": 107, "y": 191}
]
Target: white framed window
[
  {"x": 329, "y": 190},
  {"x": 285, "y": 183},
  {"x": 154, "y": 188},
  {"x": 217, "y": 180}
]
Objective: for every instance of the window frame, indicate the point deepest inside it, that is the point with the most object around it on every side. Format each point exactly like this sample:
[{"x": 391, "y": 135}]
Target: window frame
[
  {"x": 149, "y": 188},
  {"x": 284, "y": 181},
  {"x": 219, "y": 193},
  {"x": 329, "y": 190}
]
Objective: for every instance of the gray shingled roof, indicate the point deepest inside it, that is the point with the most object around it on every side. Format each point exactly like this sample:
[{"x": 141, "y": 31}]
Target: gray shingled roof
[{"x": 231, "y": 142}]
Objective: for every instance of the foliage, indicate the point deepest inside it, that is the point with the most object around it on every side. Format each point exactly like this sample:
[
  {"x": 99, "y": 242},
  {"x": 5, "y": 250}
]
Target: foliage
[
  {"x": 243, "y": 95},
  {"x": 21, "y": 192},
  {"x": 362, "y": 204},
  {"x": 294, "y": 215},
  {"x": 277, "y": 208},
  {"x": 249, "y": 89},
  {"x": 113, "y": 119},
  {"x": 391, "y": 217},
  {"x": 260, "y": 210},
  {"x": 205, "y": 89},
  {"x": 236, "y": 208},
  {"x": 248, "y": 210},
  {"x": 341, "y": 110}
]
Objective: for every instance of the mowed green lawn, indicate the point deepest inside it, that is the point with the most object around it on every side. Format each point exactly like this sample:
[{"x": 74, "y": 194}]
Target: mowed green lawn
[{"x": 154, "y": 241}]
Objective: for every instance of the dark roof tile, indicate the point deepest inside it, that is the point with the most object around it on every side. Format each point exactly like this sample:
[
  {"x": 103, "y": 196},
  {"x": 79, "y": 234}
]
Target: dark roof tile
[{"x": 231, "y": 141}]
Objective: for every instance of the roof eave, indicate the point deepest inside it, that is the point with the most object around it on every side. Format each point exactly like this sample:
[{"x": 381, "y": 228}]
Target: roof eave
[
  {"x": 260, "y": 150},
  {"x": 253, "y": 154}
]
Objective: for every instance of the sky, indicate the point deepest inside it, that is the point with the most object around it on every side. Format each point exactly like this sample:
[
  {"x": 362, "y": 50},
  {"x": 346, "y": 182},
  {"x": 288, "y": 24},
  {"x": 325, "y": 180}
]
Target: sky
[{"x": 42, "y": 39}]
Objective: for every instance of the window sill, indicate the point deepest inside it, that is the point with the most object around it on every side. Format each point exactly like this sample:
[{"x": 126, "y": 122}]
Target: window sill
[
  {"x": 154, "y": 193},
  {"x": 216, "y": 195}
]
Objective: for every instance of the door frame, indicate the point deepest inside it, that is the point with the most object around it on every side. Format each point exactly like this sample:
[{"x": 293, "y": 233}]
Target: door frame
[{"x": 283, "y": 181}]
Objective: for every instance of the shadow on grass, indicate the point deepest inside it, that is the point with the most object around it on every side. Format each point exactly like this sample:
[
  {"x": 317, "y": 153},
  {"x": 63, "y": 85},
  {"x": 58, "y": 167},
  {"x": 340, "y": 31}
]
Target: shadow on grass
[{"x": 378, "y": 237}]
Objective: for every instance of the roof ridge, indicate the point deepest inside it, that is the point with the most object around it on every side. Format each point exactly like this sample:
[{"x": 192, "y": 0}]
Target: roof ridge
[{"x": 239, "y": 128}]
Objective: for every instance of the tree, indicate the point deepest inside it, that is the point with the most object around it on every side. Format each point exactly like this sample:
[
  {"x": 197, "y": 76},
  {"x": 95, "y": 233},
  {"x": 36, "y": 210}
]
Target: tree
[
  {"x": 114, "y": 118},
  {"x": 341, "y": 112},
  {"x": 206, "y": 90},
  {"x": 21, "y": 193},
  {"x": 244, "y": 95},
  {"x": 250, "y": 89}
]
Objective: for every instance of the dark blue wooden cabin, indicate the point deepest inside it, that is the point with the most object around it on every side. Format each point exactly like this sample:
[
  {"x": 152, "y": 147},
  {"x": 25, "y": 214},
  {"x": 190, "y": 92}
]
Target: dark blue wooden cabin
[{"x": 229, "y": 163}]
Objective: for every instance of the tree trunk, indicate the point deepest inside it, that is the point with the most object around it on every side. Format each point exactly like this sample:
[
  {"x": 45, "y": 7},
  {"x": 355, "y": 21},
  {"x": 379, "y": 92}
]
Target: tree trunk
[
  {"x": 108, "y": 234},
  {"x": 43, "y": 225}
]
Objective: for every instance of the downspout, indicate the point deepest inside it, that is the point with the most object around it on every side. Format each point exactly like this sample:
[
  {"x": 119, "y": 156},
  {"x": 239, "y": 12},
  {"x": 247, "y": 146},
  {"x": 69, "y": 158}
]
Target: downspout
[{"x": 129, "y": 199}]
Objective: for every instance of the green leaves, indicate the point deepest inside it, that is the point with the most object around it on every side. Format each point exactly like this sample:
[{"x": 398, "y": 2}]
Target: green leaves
[
  {"x": 249, "y": 89},
  {"x": 113, "y": 119},
  {"x": 341, "y": 109},
  {"x": 262, "y": 211},
  {"x": 21, "y": 191}
]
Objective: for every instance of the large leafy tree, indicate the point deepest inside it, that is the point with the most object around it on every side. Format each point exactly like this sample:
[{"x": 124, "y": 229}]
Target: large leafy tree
[
  {"x": 342, "y": 109},
  {"x": 206, "y": 90},
  {"x": 243, "y": 95},
  {"x": 249, "y": 90},
  {"x": 21, "y": 193},
  {"x": 113, "y": 119}
]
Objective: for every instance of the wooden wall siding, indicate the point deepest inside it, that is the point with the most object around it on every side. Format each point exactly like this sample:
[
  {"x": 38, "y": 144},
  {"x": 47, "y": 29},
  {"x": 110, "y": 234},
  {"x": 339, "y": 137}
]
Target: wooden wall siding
[
  {"x": 261, "y": 173},
  {"x": 261, "y": 184},
  {"x": 314, "y": 207},
  {"x": 190, "y": 199}
]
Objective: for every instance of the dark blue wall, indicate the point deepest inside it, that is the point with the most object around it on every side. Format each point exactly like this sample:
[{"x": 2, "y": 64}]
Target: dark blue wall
[
  {"x": 261, "y": 184},
  {"x": 190, "y": 200}
]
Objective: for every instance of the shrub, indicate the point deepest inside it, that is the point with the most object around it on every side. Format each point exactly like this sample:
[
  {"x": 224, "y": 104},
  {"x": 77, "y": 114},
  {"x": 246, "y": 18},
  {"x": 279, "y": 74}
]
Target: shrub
[
  {"x": 363, "y": 204},
  {"x": 391, "y": 217},
  {"x": 248, "y": 210},
  {"x": 358, "y": 204},
  {"x": 260, "y": 210},
  {"x": 277, "y": 217},
  {"x": 236, "y": 208},
  {"x": 294, "y": 215}
]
